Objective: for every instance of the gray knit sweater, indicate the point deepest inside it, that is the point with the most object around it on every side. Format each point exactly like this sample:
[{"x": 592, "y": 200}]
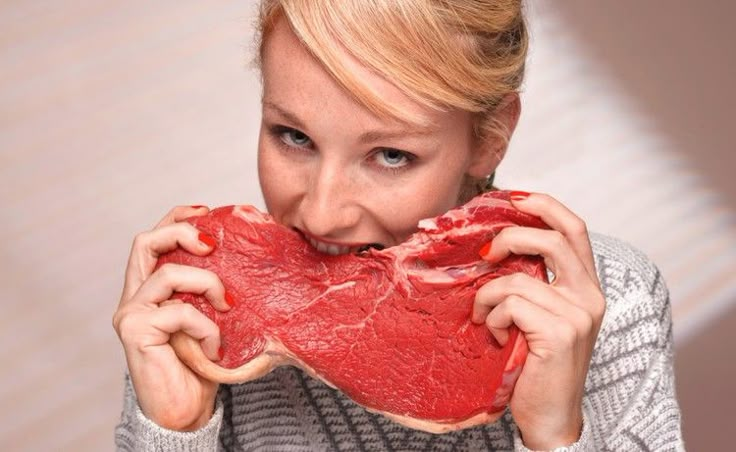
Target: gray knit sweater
[{"x": 629, "y": 402}]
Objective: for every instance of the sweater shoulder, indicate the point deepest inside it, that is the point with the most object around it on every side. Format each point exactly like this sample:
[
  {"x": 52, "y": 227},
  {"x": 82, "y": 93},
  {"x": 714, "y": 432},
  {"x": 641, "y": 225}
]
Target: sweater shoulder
[
  {"x": 630, "y": 383},
  {"x": 637, "y": 298},
  {"x": 637, "y": 324},
  {"x": 627, "y": 275}
]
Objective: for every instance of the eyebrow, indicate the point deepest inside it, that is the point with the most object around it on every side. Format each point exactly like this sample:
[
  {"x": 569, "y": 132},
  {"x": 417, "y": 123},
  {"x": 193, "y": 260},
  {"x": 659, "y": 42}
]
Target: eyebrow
[
  {"x": 366, "y": 137},
  {"x": 289, "y": 116}
]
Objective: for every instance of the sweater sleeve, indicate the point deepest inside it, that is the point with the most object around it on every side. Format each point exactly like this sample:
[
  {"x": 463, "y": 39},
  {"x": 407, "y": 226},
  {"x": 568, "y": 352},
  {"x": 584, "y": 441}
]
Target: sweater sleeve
[
  {"x": 630, "y": 389},
  {"x": 629, "y": 401},
  {"x": 136, "y": 432},
  {"x": 584, "y": 444}
]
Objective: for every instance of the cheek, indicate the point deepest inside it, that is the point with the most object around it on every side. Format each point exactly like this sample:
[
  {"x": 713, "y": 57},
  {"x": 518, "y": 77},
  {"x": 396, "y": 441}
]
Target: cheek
[
  {"x": 274, "y": 180},
  {"x": 430, "y": 195}
]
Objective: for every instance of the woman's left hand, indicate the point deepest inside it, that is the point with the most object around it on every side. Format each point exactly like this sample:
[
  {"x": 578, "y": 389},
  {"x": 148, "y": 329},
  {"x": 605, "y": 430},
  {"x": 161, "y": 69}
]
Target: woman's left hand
[{"x": 560, "y": 320}]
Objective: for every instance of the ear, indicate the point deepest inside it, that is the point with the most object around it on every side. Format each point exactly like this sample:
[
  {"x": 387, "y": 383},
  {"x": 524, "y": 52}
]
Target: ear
[{"x": 492, "y": 149}]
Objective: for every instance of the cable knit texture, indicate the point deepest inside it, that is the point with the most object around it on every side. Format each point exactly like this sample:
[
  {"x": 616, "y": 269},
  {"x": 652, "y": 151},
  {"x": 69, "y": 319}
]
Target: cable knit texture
[{"x": 629, "y": 403}]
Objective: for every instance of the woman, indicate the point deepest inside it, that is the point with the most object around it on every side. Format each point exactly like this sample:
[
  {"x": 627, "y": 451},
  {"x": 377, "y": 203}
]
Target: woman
[{"x": 377, "y": 114}]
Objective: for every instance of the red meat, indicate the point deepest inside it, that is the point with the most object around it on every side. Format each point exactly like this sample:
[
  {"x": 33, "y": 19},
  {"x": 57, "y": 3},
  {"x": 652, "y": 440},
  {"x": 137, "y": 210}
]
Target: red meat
[{"x": 390, "y": 328}]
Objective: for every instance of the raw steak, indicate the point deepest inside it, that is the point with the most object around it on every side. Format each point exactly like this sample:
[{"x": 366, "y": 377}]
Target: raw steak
[{"x": 390, "y": 328}]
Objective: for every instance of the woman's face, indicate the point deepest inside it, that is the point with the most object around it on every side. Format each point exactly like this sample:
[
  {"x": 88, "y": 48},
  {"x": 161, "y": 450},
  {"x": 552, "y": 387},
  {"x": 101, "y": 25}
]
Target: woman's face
[{"x": 338, "y": 173}]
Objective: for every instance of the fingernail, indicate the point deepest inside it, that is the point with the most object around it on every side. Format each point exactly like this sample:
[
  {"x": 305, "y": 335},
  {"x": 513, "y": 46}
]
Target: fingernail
[
  {"x": 485, "y": 250},
  {"x": 207, "y": 239},
  {"x": 197, "y": 207},
  {"x": 220, "y": 353},
  {"x": 229, "y": 300},
  {"x": 519, "y": 195}
]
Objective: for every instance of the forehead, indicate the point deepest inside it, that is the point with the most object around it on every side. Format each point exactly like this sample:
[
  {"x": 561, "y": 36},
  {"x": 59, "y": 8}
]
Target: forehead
[{"x": 293, "y": 76}]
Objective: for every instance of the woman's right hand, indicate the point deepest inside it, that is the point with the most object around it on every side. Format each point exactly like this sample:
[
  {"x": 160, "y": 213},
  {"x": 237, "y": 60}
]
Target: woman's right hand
[{"x": 168, "y": 392}]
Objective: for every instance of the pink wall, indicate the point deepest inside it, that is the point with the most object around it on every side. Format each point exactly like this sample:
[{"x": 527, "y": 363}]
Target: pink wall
[{"x": 677, "y": 59}]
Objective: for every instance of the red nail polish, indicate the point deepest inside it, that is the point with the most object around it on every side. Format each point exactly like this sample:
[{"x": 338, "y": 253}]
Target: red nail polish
[
  {"x": 485, "y": 250},
  {"x": 220, "y": 353},
  {"x": 229, "y": 300},
  {"x": 207, "y": 240},
  {"x": 197, "y": 207},
  {"x": 519, "y": 195}
]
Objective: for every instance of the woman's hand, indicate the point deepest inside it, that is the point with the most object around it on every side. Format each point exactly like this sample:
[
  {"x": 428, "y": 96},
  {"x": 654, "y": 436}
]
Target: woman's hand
[
  {"x": 168, "y": 392},
  {"x": 560, "y": 320}
]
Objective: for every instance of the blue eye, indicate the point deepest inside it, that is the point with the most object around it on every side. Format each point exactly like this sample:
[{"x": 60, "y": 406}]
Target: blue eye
[
  {"x": 293, "y": 137},
  {"x": 392, "y": 158}
]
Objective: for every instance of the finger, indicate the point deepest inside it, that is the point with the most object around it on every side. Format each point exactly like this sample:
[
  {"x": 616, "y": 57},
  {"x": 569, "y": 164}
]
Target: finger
[
  {"x": 535, "y": 291},
  {"x": 184, "y": 317},
  {"x": 560, "y": 218},
  {"x": 492, "y": 293},
  {"x": 530, "y": 318},
  {"x": 180, "y": 213},
  {"x": 170, "y": 302},
  {"x": 171, "y": 278},
  {"x": 558, "y": 256},
  {"x": 148, "y": 246}
]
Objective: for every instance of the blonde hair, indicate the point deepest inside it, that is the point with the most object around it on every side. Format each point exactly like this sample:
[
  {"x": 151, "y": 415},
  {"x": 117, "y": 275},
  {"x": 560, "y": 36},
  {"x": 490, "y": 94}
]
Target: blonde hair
[{"x": 444, "y": 54}]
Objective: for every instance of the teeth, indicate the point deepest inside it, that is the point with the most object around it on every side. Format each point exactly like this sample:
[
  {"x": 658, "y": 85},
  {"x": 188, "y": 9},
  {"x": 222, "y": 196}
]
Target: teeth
[{"x": 330, "y": 249}]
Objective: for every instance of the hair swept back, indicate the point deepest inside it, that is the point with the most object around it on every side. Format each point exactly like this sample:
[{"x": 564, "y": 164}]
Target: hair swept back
[{"x": 464, "y": 54}]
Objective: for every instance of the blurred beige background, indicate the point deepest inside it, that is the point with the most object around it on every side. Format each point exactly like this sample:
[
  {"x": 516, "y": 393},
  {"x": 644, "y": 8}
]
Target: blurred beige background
[{"x": 113, "y": 112}]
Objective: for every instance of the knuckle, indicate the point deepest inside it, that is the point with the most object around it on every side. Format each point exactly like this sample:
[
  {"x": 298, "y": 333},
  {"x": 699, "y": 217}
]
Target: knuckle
[
  {"x": 599, "y": 309},
  {"x": 586, "y": 324},
  {"x": 185, "y": 232},
  {"x": 597, "y": 305},
  {"x": 179, "y": 213},
  {"x": 212, "y": 279},
  {"x": 579, "y": 228},
  {"x": 116, "y": 321},
  {"x": 168, "y": 271},
  {"x": 119, "y": 322},
  {"x": 513, "y": 302},
  {"x": 126, "y": 327},
  {"x": 559, "y": 240},
  {"x": 140, "y": 240},
  {"x": 189, "y": 313},
  {"x": 502, "y": 235},
  {"x": 517, "y": 280},
  {"x": 171, "y": 213},
  {"x": 566, "y": 333},
  {"x": 492, "y": 321},
  {"x": 180, "y": 227},
  {"x": 483, "y": 293},
  {"x": 187, "y": 229},
  {"x": 214, "y": 329}
]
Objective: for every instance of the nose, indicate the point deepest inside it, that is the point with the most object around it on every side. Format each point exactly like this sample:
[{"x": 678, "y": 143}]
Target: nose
[{"x": 330, "y": 207}]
